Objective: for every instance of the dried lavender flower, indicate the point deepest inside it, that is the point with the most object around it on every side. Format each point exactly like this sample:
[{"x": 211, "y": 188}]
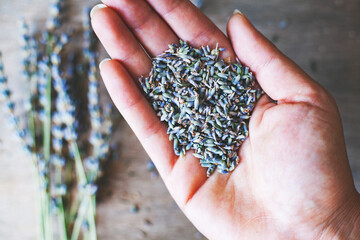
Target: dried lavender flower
[
  {"x": 197, "y": 3},
  {"x": 101, "y": 123},
  {"x": 206, "y": 102}
]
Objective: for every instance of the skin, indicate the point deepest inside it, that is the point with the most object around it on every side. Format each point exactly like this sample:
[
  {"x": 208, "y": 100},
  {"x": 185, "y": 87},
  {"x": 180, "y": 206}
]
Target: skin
[{"x": 293, "y": 180}]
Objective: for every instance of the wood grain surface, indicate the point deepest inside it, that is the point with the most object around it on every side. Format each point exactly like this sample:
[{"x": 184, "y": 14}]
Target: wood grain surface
[{"x": 322, "y": 36}]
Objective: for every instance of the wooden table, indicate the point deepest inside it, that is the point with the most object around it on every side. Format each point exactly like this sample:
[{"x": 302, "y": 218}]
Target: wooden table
[{"x": 322, "y": 36}]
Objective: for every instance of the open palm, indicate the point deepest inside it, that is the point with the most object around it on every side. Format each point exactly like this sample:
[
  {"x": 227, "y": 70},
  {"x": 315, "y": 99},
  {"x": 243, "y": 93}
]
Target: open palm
[{"x": 293, "y": 179}]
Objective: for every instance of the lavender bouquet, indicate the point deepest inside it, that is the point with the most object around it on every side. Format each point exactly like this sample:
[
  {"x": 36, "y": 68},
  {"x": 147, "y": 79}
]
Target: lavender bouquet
[{"x": 66, "y": 143}]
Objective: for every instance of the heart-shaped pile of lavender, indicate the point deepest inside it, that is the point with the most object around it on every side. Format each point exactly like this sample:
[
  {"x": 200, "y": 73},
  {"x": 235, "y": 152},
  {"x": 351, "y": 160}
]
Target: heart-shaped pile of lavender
[{"x": 206, "y": 102}]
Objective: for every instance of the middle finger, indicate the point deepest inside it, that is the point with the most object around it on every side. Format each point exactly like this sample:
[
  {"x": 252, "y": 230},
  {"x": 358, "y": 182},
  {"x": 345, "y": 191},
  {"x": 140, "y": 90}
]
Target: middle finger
[{"x": 191, "y": 25}]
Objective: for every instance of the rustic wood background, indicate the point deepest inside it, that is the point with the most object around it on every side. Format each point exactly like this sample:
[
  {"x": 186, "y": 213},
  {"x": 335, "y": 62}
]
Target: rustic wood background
[{"x": 322, "y": 36}]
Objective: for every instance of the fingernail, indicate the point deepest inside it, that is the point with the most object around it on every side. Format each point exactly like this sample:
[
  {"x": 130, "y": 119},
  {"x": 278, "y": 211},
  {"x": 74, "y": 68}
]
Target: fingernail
[
  {"x": 102, "y": 62},
  {"x": 95, "y": 8},
  {"x": 237, "y": 11}
]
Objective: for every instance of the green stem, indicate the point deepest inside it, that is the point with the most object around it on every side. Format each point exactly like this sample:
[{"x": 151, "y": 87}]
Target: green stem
[
  {"x": 47, "y": 217},
  {"x": 32, "y": 111},
  {"x": 61, "y": 220},
  {"x": 83, "y": 209},
  {"x": 78, "y": 164},
  {"x": 47, "y": 147},
  {"x": 60, "y": 212},
  {"x": 74, "y": 208},
  {"x": 93, "y": 198},
  {"x": 42, "y": 206},
  {"x": 68, "y": 178},
  {"x": 91, "y": 219},
  {"x": 47, "y": 123},
  {"x": 90, "y": 211},
  {"x": 31, "y": 123},
  {"x": 47, "y": 144}
]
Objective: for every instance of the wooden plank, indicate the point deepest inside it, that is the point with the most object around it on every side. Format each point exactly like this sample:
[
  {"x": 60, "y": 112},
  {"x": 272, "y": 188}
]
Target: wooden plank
[{"x": 322, "y": 36}]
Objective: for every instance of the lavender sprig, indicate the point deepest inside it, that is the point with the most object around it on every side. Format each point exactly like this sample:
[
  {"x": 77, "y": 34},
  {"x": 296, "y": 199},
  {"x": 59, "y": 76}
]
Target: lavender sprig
[
  {"x": 101, "y": 125},
  {"x": 54, "y": 20},
  {"x": 52, "y": 116},
  {"x": 42, "y": 171},
  {"x": 29, "y": 73},
  {"x": 65, "y": 116},
  {"x": 8, "y": 107},
  {"x": 29, "y": 53}
]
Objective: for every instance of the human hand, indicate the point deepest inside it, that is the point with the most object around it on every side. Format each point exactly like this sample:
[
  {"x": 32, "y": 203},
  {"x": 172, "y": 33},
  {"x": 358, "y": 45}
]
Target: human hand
[{"x": 293, "y": 180}]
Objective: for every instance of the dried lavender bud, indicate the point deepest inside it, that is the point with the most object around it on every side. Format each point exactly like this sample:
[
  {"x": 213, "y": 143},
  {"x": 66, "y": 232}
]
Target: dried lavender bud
[
  {"x": 206, "y": 102},
  {"x": 197, "y": 3},
  {"x": 134, "y": 208}
]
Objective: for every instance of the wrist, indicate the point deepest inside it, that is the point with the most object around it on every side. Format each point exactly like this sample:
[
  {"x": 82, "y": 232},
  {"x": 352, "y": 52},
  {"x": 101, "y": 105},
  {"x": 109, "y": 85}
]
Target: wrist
[{"x": 345, "y": 222}]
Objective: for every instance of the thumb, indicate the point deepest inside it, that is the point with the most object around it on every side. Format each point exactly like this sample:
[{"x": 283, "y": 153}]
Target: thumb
[{"x": 278, "y": 76}]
